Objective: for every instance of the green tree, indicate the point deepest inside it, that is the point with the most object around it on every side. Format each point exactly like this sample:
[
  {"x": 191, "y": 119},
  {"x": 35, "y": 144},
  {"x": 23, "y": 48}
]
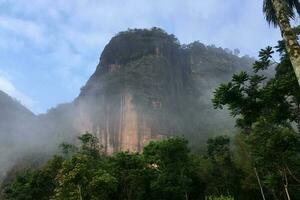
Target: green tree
[
  {"x": 84, "y": 175},
  {"x": 175, "y": 172},
  {"x": 35, "y": 184},
  {"x": 133, "y": 175},
  {"x": 165, "y": 170},
  {"x": 249, "y": 97},
  {"x": 276, "y": 150},
  {"x": 224, "y": 176},
  {"x": 253, "y": 98}
]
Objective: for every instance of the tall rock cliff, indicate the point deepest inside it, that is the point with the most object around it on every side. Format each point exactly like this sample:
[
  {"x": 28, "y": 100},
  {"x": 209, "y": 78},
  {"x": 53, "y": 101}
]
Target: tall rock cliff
[
  {"x": 134, "y": 95},
  {"x": 147, "y": 86}
]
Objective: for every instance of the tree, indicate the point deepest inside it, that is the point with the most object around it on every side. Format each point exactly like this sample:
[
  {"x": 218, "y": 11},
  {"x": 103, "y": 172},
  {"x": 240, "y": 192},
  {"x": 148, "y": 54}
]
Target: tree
[
  {"x": 84, "y": 175},
  {"x": 164, "y": 171},
  {"x": 275, "y": 149},
  {"x": 35, "y": 184},
  {"x": 279, "y": 12},
  {"x": 133, "y": 176},
  {"x": 251, "y": 96},
  {"x": 225, "y": 177},
  {"x": 255, "y": 98},
  {"x": 175, "y": 173}
]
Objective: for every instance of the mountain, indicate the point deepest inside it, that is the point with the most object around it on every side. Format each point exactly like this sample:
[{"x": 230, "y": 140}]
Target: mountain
[
  {"x": 15, "y": 121},
  {"x": 147, "y": 86},
  {"x": 12, "y": 111}
]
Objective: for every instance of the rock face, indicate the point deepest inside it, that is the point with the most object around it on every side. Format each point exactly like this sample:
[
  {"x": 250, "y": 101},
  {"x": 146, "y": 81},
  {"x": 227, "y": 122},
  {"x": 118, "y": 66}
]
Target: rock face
[
  {"x": 137, "y": 84},
  {"x": 147, "y": 86}
]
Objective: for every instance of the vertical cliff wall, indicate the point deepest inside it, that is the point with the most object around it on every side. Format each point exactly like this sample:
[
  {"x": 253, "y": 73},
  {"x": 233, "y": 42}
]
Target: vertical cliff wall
[
  {"x": 121, "y": 127},
  {"x": 147, "y": 86},
  {"x": 134, "y": 94}
]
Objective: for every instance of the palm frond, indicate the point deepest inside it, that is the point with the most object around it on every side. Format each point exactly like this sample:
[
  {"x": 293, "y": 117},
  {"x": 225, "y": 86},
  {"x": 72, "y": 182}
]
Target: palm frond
[
  {"x": 270, "y": 12},
  {"x": 294, "y": 4}
]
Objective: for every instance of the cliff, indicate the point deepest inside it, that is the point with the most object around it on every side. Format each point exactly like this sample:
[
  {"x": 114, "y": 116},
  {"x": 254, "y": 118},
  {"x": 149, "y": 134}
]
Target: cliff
[
  {"x": 147, "y": 86},
  {"x": 135, "y": 90}
]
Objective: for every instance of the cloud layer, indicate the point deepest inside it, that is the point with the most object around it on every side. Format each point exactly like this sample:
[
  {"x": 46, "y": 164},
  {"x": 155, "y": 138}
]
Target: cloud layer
[{"x": 50, "y": 48}]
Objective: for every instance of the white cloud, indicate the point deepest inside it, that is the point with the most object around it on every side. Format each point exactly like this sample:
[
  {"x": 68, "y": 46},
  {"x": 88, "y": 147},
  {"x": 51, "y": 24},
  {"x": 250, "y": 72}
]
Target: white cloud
[
  {"x": 90, "y": 23},
  {"x": 23, "y": 28},
  {"x": 8, "y": 87}
]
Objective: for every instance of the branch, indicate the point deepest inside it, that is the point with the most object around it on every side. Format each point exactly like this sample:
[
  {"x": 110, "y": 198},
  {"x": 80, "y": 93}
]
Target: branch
[{"x": 293, "y": 176}]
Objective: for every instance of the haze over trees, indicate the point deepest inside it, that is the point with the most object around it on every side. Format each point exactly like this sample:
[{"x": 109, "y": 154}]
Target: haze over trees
[
  {"x": 164, "y": 170},
  {"x": 148, "y": 77},
  {"x": 176, "y": 147},
  {"x": 262, "y": 161}
]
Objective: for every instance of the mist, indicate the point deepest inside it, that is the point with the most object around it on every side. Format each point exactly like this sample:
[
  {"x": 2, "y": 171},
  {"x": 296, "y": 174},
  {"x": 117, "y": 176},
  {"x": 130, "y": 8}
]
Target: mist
[
  {"x": 166, "y": 90},
  {"x": 27, "y": 139}
]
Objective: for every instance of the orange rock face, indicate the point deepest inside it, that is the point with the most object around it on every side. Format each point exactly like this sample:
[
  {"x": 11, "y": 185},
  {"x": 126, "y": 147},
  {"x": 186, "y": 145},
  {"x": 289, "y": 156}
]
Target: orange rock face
[
  {"x": 125, "y": 130},
  {"x": 129, "y": 127}
]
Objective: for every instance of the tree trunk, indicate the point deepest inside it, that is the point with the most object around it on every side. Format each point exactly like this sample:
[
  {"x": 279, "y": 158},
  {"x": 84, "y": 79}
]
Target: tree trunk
[
  {"x": 291, "y": 43},
  {"x": 186, "y": 196},
  {"x": 79, "y": 192},
  {"x": 254, "y": 168},
  {"x": 259, "y": 183},
  {"x": 286, "y": 184},
  {"x": 287, "y": 192}
]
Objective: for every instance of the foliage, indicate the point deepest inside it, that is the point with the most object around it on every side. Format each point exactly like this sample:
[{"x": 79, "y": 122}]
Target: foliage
[
  {"x": 224, "y": 176},
  {"x": 165, "y": 170},
  {"x": 267, "y": 111},
  {"x": 290, "y": 7},
  {"x": 251, "y": 96},
  {"x": 176, "y": 174},
  {"x": 276, "y": 153},
  {"x": 35, "y": 184}
]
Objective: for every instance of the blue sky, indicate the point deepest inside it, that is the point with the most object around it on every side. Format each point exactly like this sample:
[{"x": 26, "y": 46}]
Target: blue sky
[{"x": 49, "y": 48}]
